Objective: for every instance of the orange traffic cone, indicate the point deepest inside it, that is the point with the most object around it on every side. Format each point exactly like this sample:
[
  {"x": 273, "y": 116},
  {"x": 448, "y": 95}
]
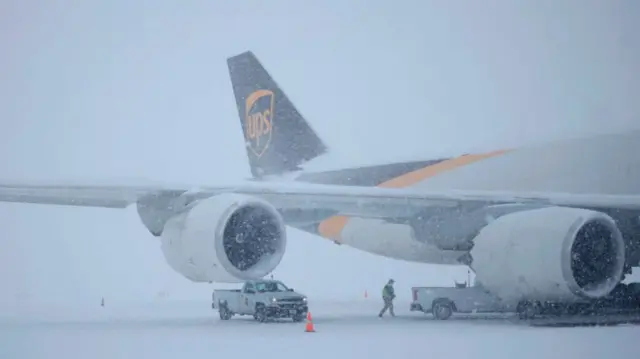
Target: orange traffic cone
[{"x": 309, "y": 327}]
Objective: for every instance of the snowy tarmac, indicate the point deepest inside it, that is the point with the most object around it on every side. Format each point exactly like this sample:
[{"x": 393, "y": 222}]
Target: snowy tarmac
[{"x": 343, "y": 330}]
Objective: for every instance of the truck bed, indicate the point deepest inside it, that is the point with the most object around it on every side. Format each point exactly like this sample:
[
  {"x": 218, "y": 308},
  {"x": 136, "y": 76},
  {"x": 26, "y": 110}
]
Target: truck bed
[{"x": 225, "y": 295}]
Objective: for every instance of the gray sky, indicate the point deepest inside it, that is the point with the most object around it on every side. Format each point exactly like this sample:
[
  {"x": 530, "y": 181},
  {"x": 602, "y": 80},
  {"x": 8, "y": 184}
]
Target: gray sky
[{"x": 139, "y": 90}]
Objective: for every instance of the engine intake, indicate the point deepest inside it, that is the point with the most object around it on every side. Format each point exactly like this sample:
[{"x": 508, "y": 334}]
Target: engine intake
[
  {"x": 250, "y": 234},
  {"x": 554, "y": 253},
  {"x": 595, "y": 257},
  {"x": 225, "y": 238}
]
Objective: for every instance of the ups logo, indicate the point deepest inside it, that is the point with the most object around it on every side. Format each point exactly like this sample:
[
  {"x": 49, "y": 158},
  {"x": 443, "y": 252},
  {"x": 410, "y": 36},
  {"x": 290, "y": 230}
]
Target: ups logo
[{"x": 259, "y": 109}]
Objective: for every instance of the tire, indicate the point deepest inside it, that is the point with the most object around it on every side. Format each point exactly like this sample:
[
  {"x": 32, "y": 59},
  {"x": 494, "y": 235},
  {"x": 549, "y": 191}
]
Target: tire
[
  {"x": 225, "y": 314},
  {"x": 298, "y": 317},
  {"x": 442, "y": 310},
  {"x": 260, "y": 314}
]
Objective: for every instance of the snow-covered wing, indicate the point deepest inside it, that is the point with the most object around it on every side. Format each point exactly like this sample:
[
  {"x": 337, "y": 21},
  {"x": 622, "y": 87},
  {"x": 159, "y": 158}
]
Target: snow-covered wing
[
  {"x": 367, "y": 201},
  {"x": 356, "y": 200},
  {"x": 75, "y": 195}
]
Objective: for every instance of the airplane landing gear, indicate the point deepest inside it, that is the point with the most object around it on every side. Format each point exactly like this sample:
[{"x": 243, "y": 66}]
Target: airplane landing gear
[{"x": 528, "y": 309}]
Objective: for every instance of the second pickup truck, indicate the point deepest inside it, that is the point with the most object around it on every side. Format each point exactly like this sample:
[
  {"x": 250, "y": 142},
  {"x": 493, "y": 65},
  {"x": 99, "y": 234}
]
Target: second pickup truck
[
  {"x": 263, "y": 299},
  {"x": 442, "y": 302}
]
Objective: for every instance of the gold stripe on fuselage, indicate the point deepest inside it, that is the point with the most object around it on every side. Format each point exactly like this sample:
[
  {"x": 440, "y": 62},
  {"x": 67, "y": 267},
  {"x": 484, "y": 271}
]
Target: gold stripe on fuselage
[{"x": 332, "y": 227}]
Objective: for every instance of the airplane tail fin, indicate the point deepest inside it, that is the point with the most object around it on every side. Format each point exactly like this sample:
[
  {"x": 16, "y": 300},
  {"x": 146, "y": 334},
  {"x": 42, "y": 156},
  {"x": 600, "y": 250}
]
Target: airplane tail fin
[{"x": 277, "y": 137}]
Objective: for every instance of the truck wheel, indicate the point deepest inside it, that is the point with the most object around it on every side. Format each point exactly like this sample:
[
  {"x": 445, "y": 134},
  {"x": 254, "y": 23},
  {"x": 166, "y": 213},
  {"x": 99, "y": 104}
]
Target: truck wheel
[
  {"x": 442, "y": 310},
  {"x": 298, "y": 317},
  {"x": 260, "y": 314},
  {"x": 225, "y": 314}
]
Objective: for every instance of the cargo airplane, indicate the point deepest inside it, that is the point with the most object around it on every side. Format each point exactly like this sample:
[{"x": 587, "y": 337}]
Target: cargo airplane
[{"x": 554, "y": 222}]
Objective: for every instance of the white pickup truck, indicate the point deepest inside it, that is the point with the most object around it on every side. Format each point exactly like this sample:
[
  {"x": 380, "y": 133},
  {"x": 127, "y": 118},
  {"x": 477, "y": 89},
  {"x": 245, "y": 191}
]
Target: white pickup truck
[
  {"x": 442, "y": 302},
  {"x": 263, "y": 299}
]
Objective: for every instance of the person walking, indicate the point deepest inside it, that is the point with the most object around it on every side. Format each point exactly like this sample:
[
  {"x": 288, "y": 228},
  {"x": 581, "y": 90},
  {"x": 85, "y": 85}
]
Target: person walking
[{"x": 388, "y": 295}]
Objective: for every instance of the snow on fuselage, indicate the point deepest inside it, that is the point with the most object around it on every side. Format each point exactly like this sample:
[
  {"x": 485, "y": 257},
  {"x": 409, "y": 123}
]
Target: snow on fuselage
[{"x": 606, "y": 164}]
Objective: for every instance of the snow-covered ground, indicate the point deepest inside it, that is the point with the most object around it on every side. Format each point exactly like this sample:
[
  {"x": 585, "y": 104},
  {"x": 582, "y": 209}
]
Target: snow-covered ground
[
  {"x": 52, "y": 287},
  {"x": 174, "y": 329}
]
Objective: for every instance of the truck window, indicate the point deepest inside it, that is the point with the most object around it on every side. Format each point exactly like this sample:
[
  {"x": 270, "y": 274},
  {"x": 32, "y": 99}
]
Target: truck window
[
  {"x": 248, "y": 287},
  {"x": 271, "y": 286}
]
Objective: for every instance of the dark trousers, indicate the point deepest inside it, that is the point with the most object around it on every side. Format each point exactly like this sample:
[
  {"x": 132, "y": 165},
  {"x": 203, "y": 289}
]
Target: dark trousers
[{"x": 388, "y": 304}]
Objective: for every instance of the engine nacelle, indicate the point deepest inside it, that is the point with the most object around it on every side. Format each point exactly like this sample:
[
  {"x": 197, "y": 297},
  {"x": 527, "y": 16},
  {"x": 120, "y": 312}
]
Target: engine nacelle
[
  {"x": 225, "y": 238},
  {"x": 550, "y": 254}
]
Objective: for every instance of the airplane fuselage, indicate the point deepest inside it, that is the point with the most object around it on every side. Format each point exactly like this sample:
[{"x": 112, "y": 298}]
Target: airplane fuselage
[{"x": 605, "y": 164}]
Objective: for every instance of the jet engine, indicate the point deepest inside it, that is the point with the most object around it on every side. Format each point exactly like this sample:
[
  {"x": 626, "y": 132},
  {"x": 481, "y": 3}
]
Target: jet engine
[
  {"x": 550, "y": 254},
  {"x": 225, "y": 238}
]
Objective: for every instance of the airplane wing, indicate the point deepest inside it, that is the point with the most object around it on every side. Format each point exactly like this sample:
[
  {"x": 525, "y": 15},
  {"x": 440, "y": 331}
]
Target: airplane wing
[
  {"x": 75, "y": 195},
  {"x": 349, "y": 200}
]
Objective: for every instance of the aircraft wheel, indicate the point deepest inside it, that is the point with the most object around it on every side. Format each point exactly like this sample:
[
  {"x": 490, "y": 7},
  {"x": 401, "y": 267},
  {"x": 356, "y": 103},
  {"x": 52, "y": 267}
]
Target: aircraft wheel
[{"x": 528, "y": 310}]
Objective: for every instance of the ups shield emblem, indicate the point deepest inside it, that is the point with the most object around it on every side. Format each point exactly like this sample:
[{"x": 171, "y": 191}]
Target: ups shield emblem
[{"x": 259, "y": 110}]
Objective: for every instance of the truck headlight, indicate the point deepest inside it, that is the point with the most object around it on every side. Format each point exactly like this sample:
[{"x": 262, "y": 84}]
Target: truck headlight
[
  {"x": 304, "y": 299},
  {"x": 273, "y": 299}
]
